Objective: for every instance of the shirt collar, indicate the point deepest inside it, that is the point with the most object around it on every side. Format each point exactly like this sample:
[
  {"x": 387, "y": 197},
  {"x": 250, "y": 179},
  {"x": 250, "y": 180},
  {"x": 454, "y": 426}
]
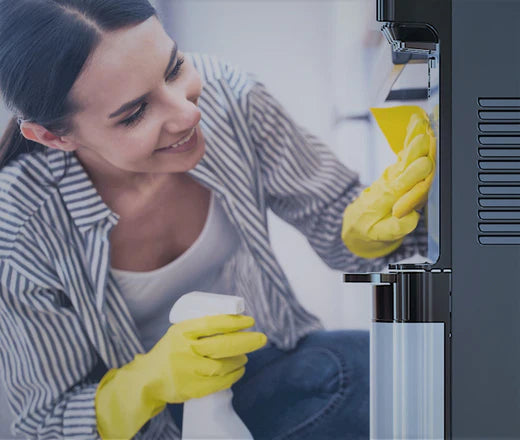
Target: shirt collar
[{"x": 83, "y": 202}]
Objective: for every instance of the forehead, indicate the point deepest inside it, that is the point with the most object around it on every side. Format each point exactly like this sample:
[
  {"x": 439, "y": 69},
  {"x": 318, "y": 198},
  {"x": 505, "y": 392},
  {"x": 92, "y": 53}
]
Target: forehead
[{"x": 124, "y": 66}]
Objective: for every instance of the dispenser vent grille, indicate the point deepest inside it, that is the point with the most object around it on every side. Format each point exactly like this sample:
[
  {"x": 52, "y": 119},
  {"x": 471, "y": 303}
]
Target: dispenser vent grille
[{"x": 499, "y": 171}]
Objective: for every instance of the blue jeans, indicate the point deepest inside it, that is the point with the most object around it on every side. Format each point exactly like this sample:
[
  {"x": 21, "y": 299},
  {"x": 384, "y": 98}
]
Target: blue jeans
[{"x": 318, "y": 391}]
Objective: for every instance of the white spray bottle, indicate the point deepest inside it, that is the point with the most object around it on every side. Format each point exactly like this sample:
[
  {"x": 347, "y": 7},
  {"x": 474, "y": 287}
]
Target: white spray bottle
[{"x": 210, "y": 417}]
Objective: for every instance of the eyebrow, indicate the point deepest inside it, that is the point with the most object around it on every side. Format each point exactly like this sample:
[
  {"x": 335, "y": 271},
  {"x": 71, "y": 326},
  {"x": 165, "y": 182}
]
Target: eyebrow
[{"x": 131, "y": 104}]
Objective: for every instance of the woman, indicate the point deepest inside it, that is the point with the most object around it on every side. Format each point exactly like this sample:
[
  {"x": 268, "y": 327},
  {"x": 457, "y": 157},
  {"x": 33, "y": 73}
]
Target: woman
[{"x": 132, "y": 174}]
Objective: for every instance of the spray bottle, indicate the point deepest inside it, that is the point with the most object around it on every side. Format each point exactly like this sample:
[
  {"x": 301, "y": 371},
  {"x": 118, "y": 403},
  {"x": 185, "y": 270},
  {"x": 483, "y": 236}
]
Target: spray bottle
[{"x": 213, "y": 416}]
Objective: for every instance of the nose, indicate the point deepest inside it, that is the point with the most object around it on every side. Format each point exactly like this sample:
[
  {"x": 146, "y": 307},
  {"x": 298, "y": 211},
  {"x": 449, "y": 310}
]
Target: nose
[
  {"x": 181, "y": 109},
  {"x": 182, "y": 116}
]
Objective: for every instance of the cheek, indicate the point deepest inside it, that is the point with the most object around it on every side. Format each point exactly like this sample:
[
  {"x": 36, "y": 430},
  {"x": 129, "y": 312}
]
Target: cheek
[
  {"x": 120, "y": 144},
  {"x": 135, "y": 142}
]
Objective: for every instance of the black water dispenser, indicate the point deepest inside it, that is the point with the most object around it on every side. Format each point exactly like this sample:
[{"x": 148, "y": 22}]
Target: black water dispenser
[{"x": 445, "y": 349}]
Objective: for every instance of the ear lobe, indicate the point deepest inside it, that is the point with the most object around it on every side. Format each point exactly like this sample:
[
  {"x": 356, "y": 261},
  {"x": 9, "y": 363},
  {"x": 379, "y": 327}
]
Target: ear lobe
[{"x": 37, "y": 133}]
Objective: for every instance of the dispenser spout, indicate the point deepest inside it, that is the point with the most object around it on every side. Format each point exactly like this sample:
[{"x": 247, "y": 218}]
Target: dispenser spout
[{"x": 421, "y": 39}]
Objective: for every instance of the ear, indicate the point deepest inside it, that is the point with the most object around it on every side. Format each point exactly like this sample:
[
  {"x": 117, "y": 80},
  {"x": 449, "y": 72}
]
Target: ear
[{"x": 38, "y": 133}]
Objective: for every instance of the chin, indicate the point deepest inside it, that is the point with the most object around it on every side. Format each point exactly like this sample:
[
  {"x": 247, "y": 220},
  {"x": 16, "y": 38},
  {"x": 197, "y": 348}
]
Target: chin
[{"x": 187, "y": 161}]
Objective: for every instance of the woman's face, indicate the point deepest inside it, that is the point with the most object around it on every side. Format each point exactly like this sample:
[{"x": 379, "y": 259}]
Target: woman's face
[{"x": 136, "y": 98}]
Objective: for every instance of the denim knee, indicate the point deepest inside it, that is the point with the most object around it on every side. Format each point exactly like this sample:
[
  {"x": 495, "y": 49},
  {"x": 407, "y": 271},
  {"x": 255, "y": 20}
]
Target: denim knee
[
  {"x": 346, "y": 412},
  {"x": 319, "y": 390}
]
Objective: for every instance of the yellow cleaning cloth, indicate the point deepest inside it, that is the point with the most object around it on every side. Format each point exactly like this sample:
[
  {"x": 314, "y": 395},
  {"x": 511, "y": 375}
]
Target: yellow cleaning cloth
[
  {"x": 376, "y": 223},
  {"x": 402, "y": 125},
  {"x": 393, "y": 122}
]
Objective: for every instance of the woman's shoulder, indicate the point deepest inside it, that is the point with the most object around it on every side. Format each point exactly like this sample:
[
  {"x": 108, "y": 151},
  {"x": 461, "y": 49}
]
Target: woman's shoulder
[
  {"x": 25, "y": 184},
  {"x": 216, "y": 69},
  {"x": 26, "y": 175}
]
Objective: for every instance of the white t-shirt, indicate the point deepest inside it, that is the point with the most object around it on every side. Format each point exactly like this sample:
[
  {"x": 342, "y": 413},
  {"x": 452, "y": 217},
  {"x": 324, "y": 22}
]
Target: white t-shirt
[{"x": 150, "y": 295}]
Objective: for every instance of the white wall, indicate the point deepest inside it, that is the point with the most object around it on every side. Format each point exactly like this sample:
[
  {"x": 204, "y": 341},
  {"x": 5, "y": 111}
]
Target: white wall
[
  {"x": 312, "y": 56},
  {"x": 5, "y": 115}
]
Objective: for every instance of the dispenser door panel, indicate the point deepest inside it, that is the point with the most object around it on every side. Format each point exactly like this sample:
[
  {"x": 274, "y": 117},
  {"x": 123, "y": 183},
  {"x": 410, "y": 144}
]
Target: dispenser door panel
[{"x": 485, "y": 219}]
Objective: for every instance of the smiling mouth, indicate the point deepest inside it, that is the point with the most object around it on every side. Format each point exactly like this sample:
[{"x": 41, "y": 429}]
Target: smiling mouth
[{"x": 181, "y": 142}]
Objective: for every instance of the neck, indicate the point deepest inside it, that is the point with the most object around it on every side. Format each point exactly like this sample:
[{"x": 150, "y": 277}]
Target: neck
[{"x": 117, "y": 187}]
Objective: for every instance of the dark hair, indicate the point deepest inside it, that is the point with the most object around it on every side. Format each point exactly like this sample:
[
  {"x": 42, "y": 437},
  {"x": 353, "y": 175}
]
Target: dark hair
[{"x": 44, "y": 45}]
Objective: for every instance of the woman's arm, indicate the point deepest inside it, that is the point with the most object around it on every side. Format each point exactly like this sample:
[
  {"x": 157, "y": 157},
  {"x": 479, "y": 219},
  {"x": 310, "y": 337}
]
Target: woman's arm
[
  {"x": 307, "y": 186},
  {"x": 57, "y": 387},
  {"x": 46, "y": 360}
]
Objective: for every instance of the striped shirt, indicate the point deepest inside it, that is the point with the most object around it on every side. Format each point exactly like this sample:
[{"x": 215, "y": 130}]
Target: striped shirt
[{"x": 63, "y": 320}]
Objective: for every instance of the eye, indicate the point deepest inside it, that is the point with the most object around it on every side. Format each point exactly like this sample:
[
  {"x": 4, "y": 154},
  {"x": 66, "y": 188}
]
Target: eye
[
  {"x": 139, "y": 114},
  {"x": 136, "y": 117},
  {"x": 173, "y": 74}
]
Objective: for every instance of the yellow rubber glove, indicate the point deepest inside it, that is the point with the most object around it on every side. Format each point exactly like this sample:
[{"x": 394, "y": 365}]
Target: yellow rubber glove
[
  {"x": 194, "y": 358},
  {"x": 376, "y": 223}
]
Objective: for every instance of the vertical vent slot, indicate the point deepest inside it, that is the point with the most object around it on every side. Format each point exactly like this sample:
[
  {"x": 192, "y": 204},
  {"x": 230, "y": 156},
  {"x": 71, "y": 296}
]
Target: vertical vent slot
[
  {"x": 496, "y": 165},
  {"x": 499, "y": 203},
  {"x": 499, "y": 227},
  {"x": 499, "y": 140},
  {"x": 499, "y": 240},
  {"x": 499, "y": 152},
  {"x": 499, "y": 102},
  {"x": 499, "y": 177},
  {"x": 499, "y": 171},
  {"x": 499, "y": 127},
  {"x": 499, "y": 190},
  {"x": 491, "y": 115}
]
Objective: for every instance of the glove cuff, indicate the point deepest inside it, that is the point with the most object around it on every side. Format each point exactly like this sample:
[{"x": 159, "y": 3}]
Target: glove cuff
[{"x": 121, "y": 404}]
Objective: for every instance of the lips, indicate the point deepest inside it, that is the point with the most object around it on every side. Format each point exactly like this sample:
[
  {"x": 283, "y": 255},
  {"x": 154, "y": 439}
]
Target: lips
[{"x": 181, "y": 141}]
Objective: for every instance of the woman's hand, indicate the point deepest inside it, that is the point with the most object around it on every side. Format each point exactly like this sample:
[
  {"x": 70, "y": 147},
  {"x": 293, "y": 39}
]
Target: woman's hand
[
  {"x": 194, "y": 358},
  {"x": 201, "y": 356},
  {"x": 376, "y": 223}
]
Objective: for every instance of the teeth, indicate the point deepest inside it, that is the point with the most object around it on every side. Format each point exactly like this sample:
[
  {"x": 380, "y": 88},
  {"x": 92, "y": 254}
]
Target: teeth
[{"x": 184, "y": 140}]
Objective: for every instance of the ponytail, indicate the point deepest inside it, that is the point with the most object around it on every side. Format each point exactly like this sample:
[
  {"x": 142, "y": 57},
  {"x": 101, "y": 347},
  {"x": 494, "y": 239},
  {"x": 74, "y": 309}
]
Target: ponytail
[{"x": 13, "y": 143}]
